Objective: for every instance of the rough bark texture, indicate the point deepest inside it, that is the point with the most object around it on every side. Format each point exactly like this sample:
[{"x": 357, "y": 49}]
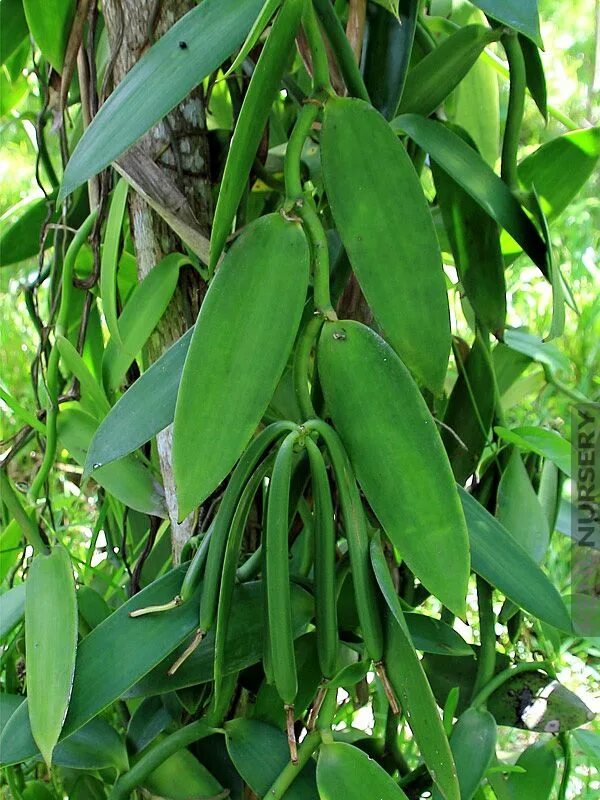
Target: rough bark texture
[{"x": 179, "y": 146}]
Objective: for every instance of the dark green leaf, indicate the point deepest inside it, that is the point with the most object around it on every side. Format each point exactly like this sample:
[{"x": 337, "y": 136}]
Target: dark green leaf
[
  {"x": 344, "y": 771},
  {"x": 431, "y": 81},
  {"x": 211, "y": 32},
  {"x": 546, "y": 443},
  {"x": 478, "y": 179},
  {"x": 13, "y": 27},
  {"x": 376, "y": 197},
  {"x": 498, "y": 558},
  {"x": 182, "y": 777},
  {"x": 49, "y": 22},
  {"x": 397, "y": 455},
  {"x": 535, "y": 77},
  {"x": 521, "y": 15},
  {"x": 260, "y": 752},
  {"x": 144, "y": 410},
  {"x": 536, "y": 783},
  {"x": 239, "y": 349}
]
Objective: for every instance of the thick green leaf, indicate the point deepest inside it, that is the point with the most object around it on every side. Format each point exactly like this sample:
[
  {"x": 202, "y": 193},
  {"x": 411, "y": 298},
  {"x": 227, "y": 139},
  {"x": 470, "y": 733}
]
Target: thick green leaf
[
  {"x": 478, "y": 179},
  {"x": 128, "y": 479},
  {"x": 536, "y": 783},
  {"x": 50, "y": 644},
  {"x": 376, "y": 198},
  {"x": 470, "y": 410},
  {"x": 239, "y": 349},
  {"x": 182, "y": 777},
  {"x": 95, "y": 746},
  {"x": 521, "y": 15},
  {"x": 141, "y": 314},
  {"x": 498, "y": 558},
  {"x": 49, "y": 22},
  {"x": 254, "y": 114},
  {"x": 13, "y": 27},
  {"x": 431, "y": 81},
  {"x": 589, "y": 742},
  {"x": 546, "y": 443},
  {"x": 12, "y": 609},
  {"x": 412, "y": 688},
  {"x": 519, "y": 511},
  {"x": 546, "y": 353},
  {"x": 21, "y": 240},
  {"x": 110, "y": 258},
  {"x": 535, "y": 702},
  {"x": 244, "y": 643},
  {"x": 135, "y": 644},
  {"x": 431, "y": 635},
  {"x": 397, "y": 455},
  {"x": 344, "y": 771},
  {"x": 210, "y": 33},
  {"x": 11, "y": 539},
  {"x": 475, "y": 241},
  {"x": 473, "y": 744},
  {"x": 145, "y": 409},
  {"x": 259, "y": 752},
  {"x": 559, "y": 168}
]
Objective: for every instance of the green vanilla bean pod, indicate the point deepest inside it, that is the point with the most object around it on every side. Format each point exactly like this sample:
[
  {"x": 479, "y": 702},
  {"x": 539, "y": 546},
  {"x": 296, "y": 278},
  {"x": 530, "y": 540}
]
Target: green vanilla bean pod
[
  {"x": 53, "y": 375},
  {"x": 220, "y": 531},
  {"x": 230, "y": 560},
  {"x": 358, "y": 547},
  {"x": 278, "y": 585},
  {"x": 325, "y": 594}
]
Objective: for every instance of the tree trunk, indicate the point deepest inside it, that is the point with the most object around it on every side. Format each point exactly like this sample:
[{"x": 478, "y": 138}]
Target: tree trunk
[{"x": 179, "y": 146}]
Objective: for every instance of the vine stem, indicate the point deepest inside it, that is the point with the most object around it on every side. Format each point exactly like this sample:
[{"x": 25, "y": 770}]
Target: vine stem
[
  {"x": 487, "y": 635},
  {"x": 516, "y": 108},
  {"x": 506, "y": 674},
  {"x": 291, "y": 770},
  {"x": 320, "y": 62},
  {"x": 301, "y": 367},
  {"x": 52, "y": 378},
  {"x": 565, "y": 743}
]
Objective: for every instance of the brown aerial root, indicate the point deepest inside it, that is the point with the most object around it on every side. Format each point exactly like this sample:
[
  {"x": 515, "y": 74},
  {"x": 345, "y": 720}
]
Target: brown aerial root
[
  {"x": 198, "y": 636},
  {"x": 387, "y": 687},
  {"x": 291, "y": 733},
  {"x": 141, "y": 612},
  {"x": 316, "y": 707}
]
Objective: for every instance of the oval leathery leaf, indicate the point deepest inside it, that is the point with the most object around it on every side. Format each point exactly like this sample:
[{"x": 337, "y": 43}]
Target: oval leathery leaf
[
  {"x": 431, "y": 81},
  {"x": 180, "y": 777},
  {"x": 410, "y": 684},
  {"x": 536, "y": 782},
  {"x": 49, "y": 23},
  {"x": 397, "y": 455},
  {"x": 50, "y": 644},
  {"x": 249, "y": 129},
  {"x": 501, "y": 560},
  {"x": 478, "y": 179},
  {"x": 473, "y": 745},
  {"x": 239, "y": 349},
  {"x": 13, "y": 30},
  {"x": 211, "y": 32},
  {"x": 345, "y": 771},
  {"x": 376, "y": 197},
  {"x": 146, "y": 408},
  {"x": 92, "y": 393},
  {"x": 465, "y": 435},
  {"x": 12, "y": 609}
]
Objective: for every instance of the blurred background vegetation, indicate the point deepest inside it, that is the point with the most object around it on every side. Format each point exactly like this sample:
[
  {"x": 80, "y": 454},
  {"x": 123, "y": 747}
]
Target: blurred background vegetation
[{"x": 572, "y": 64}]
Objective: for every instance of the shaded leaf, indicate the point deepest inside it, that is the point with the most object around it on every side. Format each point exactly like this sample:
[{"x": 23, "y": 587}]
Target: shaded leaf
[{"x": 345, "y": 771}]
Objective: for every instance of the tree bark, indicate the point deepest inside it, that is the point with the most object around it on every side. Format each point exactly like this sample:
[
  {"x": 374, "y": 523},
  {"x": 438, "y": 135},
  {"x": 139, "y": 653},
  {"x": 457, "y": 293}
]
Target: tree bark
[{"x": 179, "y": 146}]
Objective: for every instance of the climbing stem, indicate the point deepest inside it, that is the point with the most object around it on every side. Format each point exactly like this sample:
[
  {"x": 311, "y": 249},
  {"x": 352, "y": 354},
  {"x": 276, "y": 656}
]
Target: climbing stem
[
  {"x": 516, "y": 107},
  {"x": 487, "y": 634},
  {"x": 565, "y": 743},
  {"x": 302, "y": 370},
  {"x": 318, "y": 53},
  {"x": 18, "y": 513},
  {"x": 291, "y": 771}
]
